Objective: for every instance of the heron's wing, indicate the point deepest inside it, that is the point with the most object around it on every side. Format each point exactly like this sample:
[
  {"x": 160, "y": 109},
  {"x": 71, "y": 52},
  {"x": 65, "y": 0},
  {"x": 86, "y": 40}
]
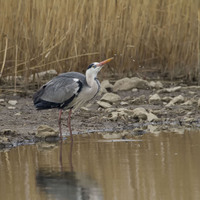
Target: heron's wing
[{"x": 61, "y": 88}]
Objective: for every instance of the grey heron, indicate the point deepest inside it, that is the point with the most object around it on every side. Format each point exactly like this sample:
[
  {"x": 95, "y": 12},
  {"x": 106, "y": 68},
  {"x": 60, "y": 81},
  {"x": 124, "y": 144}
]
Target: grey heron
[{"x": 69, "y": 90}]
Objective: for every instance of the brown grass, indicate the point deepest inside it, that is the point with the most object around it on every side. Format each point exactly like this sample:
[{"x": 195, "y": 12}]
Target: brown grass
[{"x": 67, "y": 35}]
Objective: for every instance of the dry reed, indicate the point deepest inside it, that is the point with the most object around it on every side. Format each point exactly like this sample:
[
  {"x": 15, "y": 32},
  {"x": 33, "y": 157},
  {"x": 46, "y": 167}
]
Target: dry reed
[{"x": 37, "y": 35}]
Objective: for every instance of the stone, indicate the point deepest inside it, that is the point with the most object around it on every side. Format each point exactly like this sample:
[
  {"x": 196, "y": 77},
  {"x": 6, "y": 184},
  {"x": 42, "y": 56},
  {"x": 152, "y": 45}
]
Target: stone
[
  {"x": 51, "y": 72},
  {"x": 85, "y": 108},
  {"x": 2, "y": 100},
  {"x": 139, "y": 100},
  {"x": 123, "y": 84},
  {"x": 169, "y": 90},
  {"x": 106, "y": 84},
  {"x": 134, "y": 90},
  {"x": 141, "y": 113},
  {"x": 7, "y": 132},
  {"x": 111, "y": 97},
  {"x": 11, "y": 108},
  {"x": 103, "y": 104},
  {"x": 140, "y": 83},
  {"x": 130, "y": 83},
  {"x": 176, "y": 100},
  {"x": 198, "y": 103},
  {"x": 155, "y": 99},
  {"x": 151, "y": 117},
  {"x": 187, "y": 103},
  {"x": 17, "y": 114},
  {"x": 44, "y": 131},
  {"x": 12, "y": 102},
  {"x": 167, "y": 99},
  {"x": 124, "y": 103},
  {"x": 156, "y": 84},
  {"x": 105, "y": 87}
]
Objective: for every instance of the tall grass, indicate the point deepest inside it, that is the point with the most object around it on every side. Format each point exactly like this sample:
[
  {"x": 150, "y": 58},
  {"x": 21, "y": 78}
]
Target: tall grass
[{"x": 67, "y": 35}]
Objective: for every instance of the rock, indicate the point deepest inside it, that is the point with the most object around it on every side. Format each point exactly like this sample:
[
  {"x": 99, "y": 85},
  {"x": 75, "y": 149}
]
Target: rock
[
  {"x": 155, "y": 99},
  {"x": 7, "y": 132},
  {"x": 11, "y": 108},
  {"x": 140, "y": 83},
  {"x": 17, "y": 114},
  {"x": 139, "y": 100},
  {"x": 110, "y": 97},
  {"x": 151, "y": 117},
  {"x": 177, "y": 99},
  {"x": 129, "y": 83},
  {"x": 12, "y": 102},
  {"x": 141, "y": 113},
  {"x": 44, "y": 131},
  {"x": 3, "y": 139},
  {"x": 167, "y": 99},
  {"x": 134, "y": 90},
  {"x": 105, "y": 87},
  {"x": 156, "y": 85},
  {"x": 85, "y": 108},
  {"x": 121, "y": 112},
  {"x": 124, "y": 103},
  {"x": 123, "y": 84},
  {"x": 109, "y": 110},
  {"x": 198, "y": 103},
  {"x": 106, "y": 84},
  {"x": 104, "y": 104},
  {"x": 51, "y": 72},
  {"x": 2, "y": 100},
  {"x": 187, "y": 103},
  {"x": 114, "y": 116},
  {"x": 169, "y": 90}
]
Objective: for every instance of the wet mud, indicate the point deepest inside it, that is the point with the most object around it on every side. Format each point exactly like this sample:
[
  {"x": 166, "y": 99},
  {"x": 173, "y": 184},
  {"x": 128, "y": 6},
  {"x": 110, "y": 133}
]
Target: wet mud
[{"x": 134, "y": 111}]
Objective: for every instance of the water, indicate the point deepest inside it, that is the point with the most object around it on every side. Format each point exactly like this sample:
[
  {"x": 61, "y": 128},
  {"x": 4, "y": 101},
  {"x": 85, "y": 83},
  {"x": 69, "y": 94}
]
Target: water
[{"x": 158, "y": 167}]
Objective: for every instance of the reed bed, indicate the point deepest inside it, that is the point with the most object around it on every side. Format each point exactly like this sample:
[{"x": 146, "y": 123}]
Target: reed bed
[{"x": 67, "y": 35}]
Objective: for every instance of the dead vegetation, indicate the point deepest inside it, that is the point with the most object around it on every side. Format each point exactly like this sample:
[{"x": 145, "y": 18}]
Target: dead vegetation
[{"x": 67, "y": 35}]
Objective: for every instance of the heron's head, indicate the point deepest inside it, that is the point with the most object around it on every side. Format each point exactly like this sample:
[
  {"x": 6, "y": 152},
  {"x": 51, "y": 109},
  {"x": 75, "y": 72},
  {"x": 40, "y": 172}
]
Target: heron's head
[{"x": 95, "y": 67}]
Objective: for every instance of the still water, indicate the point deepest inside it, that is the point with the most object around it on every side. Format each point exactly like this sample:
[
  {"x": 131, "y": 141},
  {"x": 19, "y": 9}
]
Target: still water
[{"x": 156, "y": 167}]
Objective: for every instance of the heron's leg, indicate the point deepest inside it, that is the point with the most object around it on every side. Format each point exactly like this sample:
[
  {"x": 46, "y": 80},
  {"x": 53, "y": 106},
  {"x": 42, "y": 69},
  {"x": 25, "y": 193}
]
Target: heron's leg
[
  {"x": 69, "y": 124},
  {"x": 59, "y": 123}
]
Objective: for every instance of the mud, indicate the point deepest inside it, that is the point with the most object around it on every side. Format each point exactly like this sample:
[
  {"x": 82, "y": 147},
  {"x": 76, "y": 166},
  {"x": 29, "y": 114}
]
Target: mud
[{"x": 20, "y": 120}]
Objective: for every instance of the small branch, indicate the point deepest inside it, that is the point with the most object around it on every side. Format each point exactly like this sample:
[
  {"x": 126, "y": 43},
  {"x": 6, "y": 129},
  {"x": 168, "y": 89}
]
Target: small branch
[{"x": 4, "y": 57}]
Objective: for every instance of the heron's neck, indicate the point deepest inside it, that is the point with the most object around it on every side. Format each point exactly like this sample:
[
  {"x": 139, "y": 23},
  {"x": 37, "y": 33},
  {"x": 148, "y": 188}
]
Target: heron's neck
[
  {"x": 91, "y": 80},
  {"x": 93, "y": 83}
]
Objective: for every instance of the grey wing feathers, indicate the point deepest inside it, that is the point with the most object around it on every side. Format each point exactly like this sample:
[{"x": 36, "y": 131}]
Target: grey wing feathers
[{"x": 61, "y": 88}]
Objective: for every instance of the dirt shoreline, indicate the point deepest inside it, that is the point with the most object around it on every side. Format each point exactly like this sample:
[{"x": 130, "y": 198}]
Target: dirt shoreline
[{"x": 128, "y": 116}]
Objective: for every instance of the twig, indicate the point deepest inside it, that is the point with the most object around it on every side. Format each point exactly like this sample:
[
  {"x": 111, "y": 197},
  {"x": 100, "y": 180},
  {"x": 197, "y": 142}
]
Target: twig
[
  {"x": 15, "y": 83},
  {"x": 4, "y": 57}
]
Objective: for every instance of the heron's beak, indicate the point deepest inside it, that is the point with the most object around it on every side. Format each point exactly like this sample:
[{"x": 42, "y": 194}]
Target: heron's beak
[{"x": 105, "y": 61}]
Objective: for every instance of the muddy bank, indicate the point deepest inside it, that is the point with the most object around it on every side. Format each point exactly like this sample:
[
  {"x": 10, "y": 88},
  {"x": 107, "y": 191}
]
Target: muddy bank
[{"x": 127, "y": 107}]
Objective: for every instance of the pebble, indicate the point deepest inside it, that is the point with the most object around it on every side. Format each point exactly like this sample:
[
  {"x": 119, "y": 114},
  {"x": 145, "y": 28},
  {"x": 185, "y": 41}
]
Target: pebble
[
  {"x": 110, "y": 97},
  {"x": 130, "y": 83},
  {"x": 12, "y": 102},
  {"x": 177, "y": 99},
  {"x": 11, "y": 108},
  {"x": 198, "y": 103},
  {"x": 44, "y": 131},
  {"x": 139, "y": 100},
  {"x": 103, "y": 104},
  {"x": 169, "y": 90},
  {"x": 155, "y": 99}
]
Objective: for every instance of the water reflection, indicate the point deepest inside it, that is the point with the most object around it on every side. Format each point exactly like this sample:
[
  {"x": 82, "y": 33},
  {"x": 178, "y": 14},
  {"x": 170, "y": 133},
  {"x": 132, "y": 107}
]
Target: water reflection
[
  {"x": 161, "y": 166},
  {"x": 63, "y": 184}
]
